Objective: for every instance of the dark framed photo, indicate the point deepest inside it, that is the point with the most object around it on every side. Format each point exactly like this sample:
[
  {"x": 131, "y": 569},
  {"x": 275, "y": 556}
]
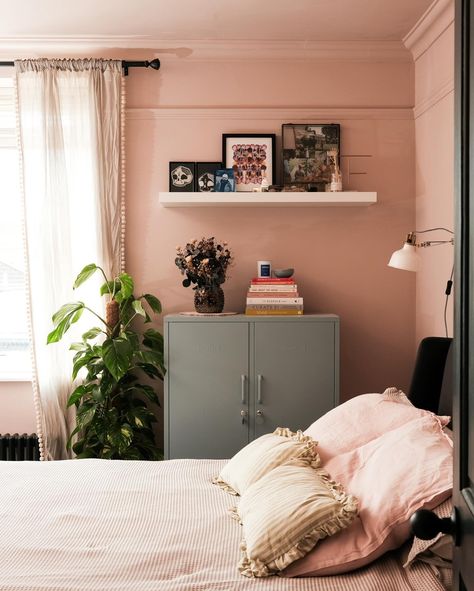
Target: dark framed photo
[
  {"x": 251, "y": 157},
  {"x": 205, "y": 176},
  {"x": 225, "y": 181},
  {"x": 182, "y": 177},
  {"x": 311, "y": 154}
]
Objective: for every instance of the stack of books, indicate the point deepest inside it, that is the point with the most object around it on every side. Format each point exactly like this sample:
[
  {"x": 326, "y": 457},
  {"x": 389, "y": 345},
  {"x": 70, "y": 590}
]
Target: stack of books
[{"x": 273, "y": 297}]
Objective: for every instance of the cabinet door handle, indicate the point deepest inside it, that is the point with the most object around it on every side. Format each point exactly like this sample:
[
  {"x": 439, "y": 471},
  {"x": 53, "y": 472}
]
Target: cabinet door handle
[
  {"x": 259, "y": 389},
  {"x": 243, "y": 381}
]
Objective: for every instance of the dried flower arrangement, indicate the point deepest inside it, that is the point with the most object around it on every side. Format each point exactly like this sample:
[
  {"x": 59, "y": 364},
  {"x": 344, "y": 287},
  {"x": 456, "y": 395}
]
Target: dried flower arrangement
[{"x": 204, "y": 262}]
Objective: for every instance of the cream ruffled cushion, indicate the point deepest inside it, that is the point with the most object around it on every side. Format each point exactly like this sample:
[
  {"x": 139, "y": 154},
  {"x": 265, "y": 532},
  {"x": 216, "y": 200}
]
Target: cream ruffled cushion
[
  {"x": 286, "y": 512},
  {"x": 262, "y": 455}
]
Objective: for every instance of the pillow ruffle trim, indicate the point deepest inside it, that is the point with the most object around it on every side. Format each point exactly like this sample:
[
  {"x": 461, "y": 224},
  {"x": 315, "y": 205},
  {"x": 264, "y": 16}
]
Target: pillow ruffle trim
[
  {"x": 307, "y": 451},
  {"x": 225, "y": 487},
  {"x": 254, "y": 567},
  {"x": 393, "y": 394}
]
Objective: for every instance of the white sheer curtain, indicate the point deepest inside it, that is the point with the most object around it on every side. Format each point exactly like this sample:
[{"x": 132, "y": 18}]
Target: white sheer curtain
[{"x": 70, "y": 118}]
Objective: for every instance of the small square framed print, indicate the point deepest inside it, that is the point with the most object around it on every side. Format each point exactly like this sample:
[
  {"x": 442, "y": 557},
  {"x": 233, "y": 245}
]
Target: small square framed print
[
  {"x": 206, "y": 176},
  {"x": 182, "y": 177},
  {"x": 225, "y": 181},
  {"x": 251, "y": 157}
]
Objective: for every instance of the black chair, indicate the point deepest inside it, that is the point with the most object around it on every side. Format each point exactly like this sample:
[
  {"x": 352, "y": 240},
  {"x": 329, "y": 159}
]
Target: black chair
[
  {"x": 432, "y": 389},
  {"x": 431, "y": 386}
]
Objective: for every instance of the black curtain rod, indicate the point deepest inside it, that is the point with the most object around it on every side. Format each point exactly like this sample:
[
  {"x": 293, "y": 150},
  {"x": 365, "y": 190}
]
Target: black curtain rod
[{"x": 154, "y": 64}]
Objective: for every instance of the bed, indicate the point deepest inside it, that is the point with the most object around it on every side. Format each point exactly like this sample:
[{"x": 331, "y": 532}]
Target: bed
[
  {"x": 98, "y": 525},
  {"x": 101, "y": 525}
]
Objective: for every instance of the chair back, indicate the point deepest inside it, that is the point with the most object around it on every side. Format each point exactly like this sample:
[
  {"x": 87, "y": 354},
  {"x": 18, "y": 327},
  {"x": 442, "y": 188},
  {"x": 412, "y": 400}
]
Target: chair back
[{"x": 429, "y": 374}]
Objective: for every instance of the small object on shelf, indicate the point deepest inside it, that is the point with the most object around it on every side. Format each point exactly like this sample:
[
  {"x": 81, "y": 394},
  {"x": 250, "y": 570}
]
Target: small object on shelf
[
  {"x": 336, "y": 182},
  {"x": 225, "y": 182},
  {"x": 182, "y": 177},
  {"x": 283, "y": 273},
  {"x": 209, "y": 299},
  {"x": 264, "y": 269},
  {"x": 277, "y": 296},
  {"x": 295, "y": 188},
  {"x": 265, "y": 186},
  {"x": 205, "y": 263},
  {"x": 251, "y": 157},
  {"x": 306, "y": 148},
  {"x": 336, "y": 176},
  {"x": 206, "y": 176}
]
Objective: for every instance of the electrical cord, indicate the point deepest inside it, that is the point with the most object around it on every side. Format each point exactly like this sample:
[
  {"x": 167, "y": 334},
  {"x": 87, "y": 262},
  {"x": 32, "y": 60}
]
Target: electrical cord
[{"x": 449, "y": 286}]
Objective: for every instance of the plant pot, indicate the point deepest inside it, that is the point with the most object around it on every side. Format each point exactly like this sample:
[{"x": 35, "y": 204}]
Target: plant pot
[{"x": 209, "y": 300}]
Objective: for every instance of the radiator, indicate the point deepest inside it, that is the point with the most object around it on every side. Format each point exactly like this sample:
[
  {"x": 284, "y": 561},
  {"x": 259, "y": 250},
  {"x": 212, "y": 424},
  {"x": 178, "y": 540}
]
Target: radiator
[{"x": 18, "y": 447}]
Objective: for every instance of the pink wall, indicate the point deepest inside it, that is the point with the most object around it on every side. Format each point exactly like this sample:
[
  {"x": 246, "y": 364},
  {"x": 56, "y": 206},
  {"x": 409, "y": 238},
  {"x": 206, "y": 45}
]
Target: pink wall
[
  {"x": 17, "y": 411},
  {"x": 340, "y": 254},
  {"x": 434, "y": 138}
]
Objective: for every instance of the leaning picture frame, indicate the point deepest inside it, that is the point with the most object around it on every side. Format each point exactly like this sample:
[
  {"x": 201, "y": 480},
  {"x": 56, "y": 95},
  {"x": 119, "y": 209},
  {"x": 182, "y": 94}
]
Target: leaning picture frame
[
  {"x": 252, "y": 158},
  {"x": 311, "y": 154}
]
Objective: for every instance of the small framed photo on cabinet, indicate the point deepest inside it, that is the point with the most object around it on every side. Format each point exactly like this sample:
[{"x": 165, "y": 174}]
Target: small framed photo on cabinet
[
  {"x": 225, "y": 181},
  {"x": 206, "y": 176},
  {"x": 251, "y": 157},
  {"x": 182, "y": 177}
]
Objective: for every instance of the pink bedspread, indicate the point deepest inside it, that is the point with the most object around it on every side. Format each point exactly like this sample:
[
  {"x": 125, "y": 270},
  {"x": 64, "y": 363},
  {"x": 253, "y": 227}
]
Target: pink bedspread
[{"x": 98, "y": 525}]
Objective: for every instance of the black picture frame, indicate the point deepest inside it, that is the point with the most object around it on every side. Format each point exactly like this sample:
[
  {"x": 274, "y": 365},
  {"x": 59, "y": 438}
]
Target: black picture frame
[
  {"x": 310, "y": 152},
  {"x": 206, "y": 176},
  {"x": 225, "y": 180},
  {"x": 182, "y": 177},
  {"x": 252, "y": 158}
]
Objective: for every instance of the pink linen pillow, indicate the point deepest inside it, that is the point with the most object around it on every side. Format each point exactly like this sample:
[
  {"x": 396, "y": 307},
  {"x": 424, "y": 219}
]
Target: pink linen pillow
[
  {"x": 406, "y": 469},
  {"x": 362, "y": 419}
]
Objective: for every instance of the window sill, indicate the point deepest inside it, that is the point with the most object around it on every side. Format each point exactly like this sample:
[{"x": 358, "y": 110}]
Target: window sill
[{"x": 15, "y": 377}]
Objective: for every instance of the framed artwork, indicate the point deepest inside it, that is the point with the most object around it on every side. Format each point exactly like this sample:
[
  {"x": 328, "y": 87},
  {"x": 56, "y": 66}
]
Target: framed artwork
[
  {"x": 311, "y": 153},
  {"x": 251, "y": 157},
  {"x": 225, "y": 180},
  {"x": 182, "y": 176},
  {"x": 205, "y": 176}
]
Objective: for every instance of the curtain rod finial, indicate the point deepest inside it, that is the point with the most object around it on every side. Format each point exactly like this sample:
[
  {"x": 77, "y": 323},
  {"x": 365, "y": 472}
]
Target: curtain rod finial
[{"x": 155, "y": 64}]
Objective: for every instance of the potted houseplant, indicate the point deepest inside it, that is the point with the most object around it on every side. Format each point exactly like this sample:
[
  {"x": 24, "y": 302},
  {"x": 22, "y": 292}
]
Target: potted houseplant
[
  {"x": 113, "y": 420},
  {"x": 205, "y": 263}
]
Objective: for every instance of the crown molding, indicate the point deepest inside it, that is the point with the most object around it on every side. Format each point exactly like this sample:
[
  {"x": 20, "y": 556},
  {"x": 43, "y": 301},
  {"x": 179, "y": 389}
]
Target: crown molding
[
  {"x": 291, "y": 114},
  {"x": 210, "y": 50},
  {"x": 429, "y": 27},
  {"x": 444, "y": 89}
]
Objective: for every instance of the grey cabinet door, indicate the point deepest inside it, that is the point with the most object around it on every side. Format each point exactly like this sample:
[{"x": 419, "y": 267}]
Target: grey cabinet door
[
  {"x": 207, "y": 389},
  {"x": 296, "y": 368}
]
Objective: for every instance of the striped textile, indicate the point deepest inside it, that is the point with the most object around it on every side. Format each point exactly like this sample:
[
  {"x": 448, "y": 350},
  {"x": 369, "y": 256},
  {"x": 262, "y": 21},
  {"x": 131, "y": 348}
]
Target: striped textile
[
  {"x": 100, "y": 525},
  {"x": 263, "y": 454}
]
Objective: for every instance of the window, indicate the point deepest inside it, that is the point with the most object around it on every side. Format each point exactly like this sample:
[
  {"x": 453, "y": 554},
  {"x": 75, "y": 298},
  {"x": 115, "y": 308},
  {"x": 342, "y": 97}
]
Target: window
[{"x": 14, "y": 346}]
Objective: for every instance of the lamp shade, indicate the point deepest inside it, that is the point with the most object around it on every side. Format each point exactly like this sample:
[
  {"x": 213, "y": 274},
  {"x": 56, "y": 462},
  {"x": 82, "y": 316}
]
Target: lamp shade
[{"x": 406, "y": 258}]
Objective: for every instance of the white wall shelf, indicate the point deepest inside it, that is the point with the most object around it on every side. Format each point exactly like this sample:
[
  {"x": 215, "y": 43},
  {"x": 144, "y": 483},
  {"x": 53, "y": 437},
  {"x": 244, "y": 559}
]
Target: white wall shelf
[{"x": 270, "y": 199}]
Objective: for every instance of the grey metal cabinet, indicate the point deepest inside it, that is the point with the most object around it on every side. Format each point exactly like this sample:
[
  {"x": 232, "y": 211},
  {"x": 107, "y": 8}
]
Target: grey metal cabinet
[{"x": 233, "y": 378}]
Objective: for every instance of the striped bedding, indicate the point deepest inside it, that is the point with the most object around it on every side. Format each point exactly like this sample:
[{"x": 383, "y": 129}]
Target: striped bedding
[{"x": 98, "y": 525}]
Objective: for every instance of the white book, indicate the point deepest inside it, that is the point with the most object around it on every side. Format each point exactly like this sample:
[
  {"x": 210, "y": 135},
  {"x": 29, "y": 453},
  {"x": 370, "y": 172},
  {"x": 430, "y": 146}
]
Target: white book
[
  {"x": 273, "y": 288},
  {"x": 263, "y": 301}
]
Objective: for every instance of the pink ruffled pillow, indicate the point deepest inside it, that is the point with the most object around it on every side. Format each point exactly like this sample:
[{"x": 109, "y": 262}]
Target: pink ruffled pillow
[
  {"x": 363, "y": 418},
  {"x": 394, "y": 475}
]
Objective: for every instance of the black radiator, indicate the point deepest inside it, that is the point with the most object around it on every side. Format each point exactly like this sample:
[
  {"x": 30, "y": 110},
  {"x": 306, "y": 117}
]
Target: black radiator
[{"x": 18, "y": 448}]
